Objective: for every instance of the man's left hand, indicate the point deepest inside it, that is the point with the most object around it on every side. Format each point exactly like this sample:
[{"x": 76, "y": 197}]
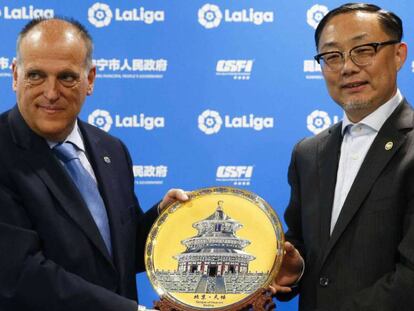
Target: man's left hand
[
  {"x": 171, "y": 196},
  {"x": 290, "y": 271}
]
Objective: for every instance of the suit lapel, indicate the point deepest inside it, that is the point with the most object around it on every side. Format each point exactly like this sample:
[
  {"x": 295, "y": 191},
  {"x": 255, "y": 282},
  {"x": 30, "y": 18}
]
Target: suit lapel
[
  {"x": 38, "y": 155},
  {"x": 328, "y": 158},
  {"x": 104, "y": 169},
  {"x": 375, "y": 161}
]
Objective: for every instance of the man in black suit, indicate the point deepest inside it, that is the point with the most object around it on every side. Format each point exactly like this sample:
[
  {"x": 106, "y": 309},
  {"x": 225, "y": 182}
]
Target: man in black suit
[
  {"x": 351, "y": 213},
  {"x": 62, "y": 247}
]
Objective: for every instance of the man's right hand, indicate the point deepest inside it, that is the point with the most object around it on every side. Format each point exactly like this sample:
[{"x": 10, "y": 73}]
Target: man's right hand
[{"x": 290, "y": 271}]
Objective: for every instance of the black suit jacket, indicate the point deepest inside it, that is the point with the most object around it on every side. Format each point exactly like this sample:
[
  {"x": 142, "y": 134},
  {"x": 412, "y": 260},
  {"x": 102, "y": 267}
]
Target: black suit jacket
[
  {"x": 52, "y": 256},
  {"x": 368, "y": 261}
]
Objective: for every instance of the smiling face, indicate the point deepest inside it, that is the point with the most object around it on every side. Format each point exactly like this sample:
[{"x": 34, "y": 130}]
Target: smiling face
[
  {"x": 360, "y": 90},
  {"x": 51, "y": 79}
]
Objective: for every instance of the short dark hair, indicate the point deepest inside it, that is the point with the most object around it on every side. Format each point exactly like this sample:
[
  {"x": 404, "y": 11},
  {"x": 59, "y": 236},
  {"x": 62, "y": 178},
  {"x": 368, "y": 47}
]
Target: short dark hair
[
  {"x": 389, "y": 21},
  {"x": 77, "y": 25}
]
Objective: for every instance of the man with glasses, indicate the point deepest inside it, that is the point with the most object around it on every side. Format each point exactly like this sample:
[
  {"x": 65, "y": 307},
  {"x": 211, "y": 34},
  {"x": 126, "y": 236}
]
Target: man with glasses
[{"x": 351, "y": 214}]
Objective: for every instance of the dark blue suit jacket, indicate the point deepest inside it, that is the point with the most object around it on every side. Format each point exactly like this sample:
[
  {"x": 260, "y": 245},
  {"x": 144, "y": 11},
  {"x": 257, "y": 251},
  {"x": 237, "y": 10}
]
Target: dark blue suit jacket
[
  {"x": 368, "y": 261},
  {"x": 52, "y": 256}
]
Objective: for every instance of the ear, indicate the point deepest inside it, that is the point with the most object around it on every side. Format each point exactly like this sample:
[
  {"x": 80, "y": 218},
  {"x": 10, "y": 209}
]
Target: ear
[
  {"x": 15, "y": 73},
  {"x": 400, "y": 55},
  {"x": 91, "y": 80}
]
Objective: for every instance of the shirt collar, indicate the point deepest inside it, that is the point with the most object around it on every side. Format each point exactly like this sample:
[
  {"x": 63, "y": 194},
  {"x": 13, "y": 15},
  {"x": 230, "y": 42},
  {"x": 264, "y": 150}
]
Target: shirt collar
[
  {"x": 376, "y": 119},
  {"x": 74, "y": 137}
]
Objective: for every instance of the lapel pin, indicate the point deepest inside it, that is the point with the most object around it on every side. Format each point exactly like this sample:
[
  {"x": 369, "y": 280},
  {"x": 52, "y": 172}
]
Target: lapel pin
[
  {"x": 389, "y": 145},
  {"x": 107, "y": 160}
]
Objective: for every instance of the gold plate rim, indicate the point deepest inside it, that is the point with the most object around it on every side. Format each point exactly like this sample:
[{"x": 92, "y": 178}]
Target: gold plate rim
[{"x": 172, "y": 207}]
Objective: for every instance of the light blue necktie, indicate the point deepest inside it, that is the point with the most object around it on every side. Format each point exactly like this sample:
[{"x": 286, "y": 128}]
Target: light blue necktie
[{"x": 66, "y": 152}]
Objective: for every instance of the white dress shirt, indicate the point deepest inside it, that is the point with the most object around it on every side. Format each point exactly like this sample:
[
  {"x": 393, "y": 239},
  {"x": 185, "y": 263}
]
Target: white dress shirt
[{"x": 357, "y": 139}]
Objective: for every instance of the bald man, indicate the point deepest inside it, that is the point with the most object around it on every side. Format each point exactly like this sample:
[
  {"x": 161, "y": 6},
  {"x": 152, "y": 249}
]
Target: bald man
[{"x": 72, "y": 233}]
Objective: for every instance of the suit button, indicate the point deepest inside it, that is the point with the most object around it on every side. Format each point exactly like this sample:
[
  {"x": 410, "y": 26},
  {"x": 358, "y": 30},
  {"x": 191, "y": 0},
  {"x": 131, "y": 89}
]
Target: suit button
[{"x": 323, "y": 281}]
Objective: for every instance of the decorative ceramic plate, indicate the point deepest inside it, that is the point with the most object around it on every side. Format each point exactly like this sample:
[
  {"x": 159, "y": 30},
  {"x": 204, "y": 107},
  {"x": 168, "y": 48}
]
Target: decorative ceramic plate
[{"x": 215, "y": 250}]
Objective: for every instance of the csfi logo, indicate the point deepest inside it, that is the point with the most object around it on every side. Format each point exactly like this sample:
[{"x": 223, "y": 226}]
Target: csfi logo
[
  {"x": 239, "y": 69},
  {"x": 234, "y": 65},
  {"x": 234, "y": 171}
]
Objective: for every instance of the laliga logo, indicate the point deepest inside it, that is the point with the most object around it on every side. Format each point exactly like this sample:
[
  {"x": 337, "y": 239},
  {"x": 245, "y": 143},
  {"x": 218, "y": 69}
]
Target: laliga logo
[
  {"x": 315, "y": 14},
  {"x": 100, "y": 15},
  {"x": 209, "y": 16},
  {"x": 25, "y": 12},
  {"x": 101, "y": 119},
  {"x": 319, "y": 120},
  {"x": 210, "y": 122}
]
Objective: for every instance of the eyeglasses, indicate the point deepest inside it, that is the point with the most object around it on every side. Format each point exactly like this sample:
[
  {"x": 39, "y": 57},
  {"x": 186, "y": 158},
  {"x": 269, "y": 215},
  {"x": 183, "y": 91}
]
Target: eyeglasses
[{"x": 361, "y": 55}]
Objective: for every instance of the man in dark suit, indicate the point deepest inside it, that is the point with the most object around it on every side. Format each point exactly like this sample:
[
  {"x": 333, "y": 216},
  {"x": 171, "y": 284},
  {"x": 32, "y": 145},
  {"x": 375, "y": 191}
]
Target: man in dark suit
[
  {"x": 72, "y": 234},
  {"x": 351, "y": 213}
]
